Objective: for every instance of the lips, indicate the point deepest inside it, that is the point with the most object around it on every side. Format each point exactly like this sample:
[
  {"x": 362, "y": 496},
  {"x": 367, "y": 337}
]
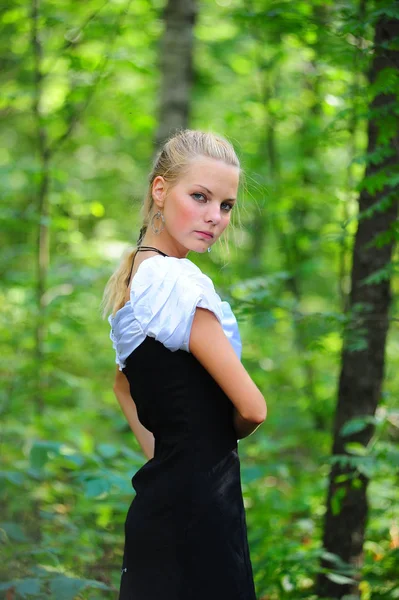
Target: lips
[{"x": 206, "y": 234}]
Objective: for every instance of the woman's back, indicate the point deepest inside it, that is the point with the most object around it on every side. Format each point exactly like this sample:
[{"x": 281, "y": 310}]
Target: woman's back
[{"x": 180, "y": 403}]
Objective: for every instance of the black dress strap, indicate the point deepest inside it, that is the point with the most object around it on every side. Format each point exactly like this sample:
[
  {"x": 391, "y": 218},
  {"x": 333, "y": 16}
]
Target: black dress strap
[{"x": 143, "y": 249}]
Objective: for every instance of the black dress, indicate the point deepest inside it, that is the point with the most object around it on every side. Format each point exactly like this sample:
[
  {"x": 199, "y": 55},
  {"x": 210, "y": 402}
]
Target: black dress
[{"x": 185, "y": 530}]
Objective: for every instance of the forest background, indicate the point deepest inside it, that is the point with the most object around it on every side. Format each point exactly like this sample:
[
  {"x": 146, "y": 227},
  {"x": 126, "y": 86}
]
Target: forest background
[{"x": 308, "y": 94}]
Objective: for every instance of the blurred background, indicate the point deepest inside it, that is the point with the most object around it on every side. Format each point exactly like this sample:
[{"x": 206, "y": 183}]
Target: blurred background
[{"x": 307, "y": 92}]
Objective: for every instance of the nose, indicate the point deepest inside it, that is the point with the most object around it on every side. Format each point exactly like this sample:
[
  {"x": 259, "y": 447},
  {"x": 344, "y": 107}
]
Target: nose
[{"x": 213, "y": 213}]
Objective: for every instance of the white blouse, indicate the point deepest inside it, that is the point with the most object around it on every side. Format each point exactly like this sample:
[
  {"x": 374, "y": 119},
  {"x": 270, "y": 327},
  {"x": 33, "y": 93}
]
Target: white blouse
[{"x": 164, "y": 294}]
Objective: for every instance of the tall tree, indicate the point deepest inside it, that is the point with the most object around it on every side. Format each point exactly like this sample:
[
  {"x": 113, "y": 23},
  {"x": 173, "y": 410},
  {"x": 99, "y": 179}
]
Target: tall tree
[
  {"x": 176, "y": 60},
  {"x": 47, "y": 149},
  {"x": 43, "y": 235},
  {"x": 362, "y": 371}
]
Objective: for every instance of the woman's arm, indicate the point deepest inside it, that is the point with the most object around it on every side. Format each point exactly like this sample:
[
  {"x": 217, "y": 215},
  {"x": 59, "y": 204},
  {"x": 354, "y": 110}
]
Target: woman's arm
[
  {"x": 209, "y": 344},
  {"x": 122, "y": 392}
]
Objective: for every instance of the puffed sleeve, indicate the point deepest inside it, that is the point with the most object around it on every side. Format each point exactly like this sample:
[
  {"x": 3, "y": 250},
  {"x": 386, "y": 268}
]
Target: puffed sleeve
[
  {"x": 113, "y": 340},
  {"x": 165, "y": 293},
  {"x": 230, "y": 328}
]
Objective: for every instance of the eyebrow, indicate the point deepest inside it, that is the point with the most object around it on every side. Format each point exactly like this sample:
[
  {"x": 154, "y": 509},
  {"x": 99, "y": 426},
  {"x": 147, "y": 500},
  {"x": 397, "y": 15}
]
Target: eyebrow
[{"x": 209, "y": 192}]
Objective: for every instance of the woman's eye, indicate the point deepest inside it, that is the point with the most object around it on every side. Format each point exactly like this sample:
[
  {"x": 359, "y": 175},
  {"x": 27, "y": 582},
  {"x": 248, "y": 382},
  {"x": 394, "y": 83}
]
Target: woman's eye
[
  {"x": 199, "y": 194},
  {"x": 225, "y": 206}
]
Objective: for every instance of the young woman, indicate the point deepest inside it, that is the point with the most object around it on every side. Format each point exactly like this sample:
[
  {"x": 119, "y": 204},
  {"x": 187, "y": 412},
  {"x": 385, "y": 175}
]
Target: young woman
[{"x": 182, "y": 387}]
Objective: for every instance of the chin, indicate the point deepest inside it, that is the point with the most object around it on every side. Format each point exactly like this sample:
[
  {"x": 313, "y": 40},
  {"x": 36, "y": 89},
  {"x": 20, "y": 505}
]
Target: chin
[
  {"x": 196, "y": 247},
  {"x": 201, "y": 249}
]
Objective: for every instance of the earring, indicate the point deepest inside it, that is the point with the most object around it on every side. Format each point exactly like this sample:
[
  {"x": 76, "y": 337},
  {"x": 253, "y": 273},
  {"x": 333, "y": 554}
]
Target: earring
[
  {"x": 158, "y": 215},
  {"x": 209, "y": 248}
]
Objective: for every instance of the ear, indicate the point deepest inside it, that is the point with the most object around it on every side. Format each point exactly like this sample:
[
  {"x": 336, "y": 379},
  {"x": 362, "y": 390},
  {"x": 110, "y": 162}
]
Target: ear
[{"x": 159, "y": 191}]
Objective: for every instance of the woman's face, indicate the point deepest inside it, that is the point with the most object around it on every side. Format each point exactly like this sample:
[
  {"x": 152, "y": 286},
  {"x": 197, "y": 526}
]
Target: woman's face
[{"x": 198, "y": 207}]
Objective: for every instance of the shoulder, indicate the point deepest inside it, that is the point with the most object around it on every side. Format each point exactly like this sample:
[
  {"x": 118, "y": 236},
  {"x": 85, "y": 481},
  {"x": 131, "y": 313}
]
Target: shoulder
[
  {"x": 164, "y": 295},
  {"x": 168, "y": 266},
  {"x": 160, "y": 273}
]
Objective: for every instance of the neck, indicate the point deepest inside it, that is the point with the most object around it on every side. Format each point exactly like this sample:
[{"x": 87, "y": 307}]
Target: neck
[{"x": 166, "y": 245}]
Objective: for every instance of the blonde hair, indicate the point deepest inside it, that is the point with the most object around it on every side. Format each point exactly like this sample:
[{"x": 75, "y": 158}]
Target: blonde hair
[{"x": 171, "y": 162}]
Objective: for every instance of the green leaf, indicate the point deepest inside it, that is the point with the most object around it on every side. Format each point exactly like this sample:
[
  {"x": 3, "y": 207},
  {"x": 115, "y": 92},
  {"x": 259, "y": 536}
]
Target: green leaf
[
  {"x": 66, "y": 588},
  {"x": 41, "y": 451},
  {"x": 357, "y": 424},
  {"x": 356, "y": 448},
  {"x": 336, "y": 500},
  {"x": 107, "y": 450},
  {"x": 7, "y": 585},
  {"x": 29, "y": 587},
  {"x": 340, "y": 579},
  {"x": 252, "y": 473},
  {"x": 14, "y": 532},
  {"x": 13, "y": 477},
  {"x": 96, "y": 487},
  {"x": 24, "y": 587},
  {"x": 331, "y": 557},
  {"x": 98, "y": 585}
]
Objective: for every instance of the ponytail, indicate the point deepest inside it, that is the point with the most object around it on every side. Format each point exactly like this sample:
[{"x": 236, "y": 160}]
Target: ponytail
[{"x": 115, "y": 289}]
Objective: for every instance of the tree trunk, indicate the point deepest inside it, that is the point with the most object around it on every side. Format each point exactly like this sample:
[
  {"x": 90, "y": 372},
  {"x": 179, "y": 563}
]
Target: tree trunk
[
  {"x": 353, "y": 149},
  {"x": 363, "y": 359},
  {"x": 43, "y": 234},
  {"x": 271, "y": 169},
  {"x": 176, "y": 60}
]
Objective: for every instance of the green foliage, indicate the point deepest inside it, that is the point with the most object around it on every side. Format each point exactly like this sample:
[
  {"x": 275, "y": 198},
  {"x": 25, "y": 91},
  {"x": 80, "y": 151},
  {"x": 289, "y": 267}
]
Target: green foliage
[
  {"x": 357, "y": 424},
  {"x": 59, "y": 586},
  {"x": 285, "y": 82}
]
